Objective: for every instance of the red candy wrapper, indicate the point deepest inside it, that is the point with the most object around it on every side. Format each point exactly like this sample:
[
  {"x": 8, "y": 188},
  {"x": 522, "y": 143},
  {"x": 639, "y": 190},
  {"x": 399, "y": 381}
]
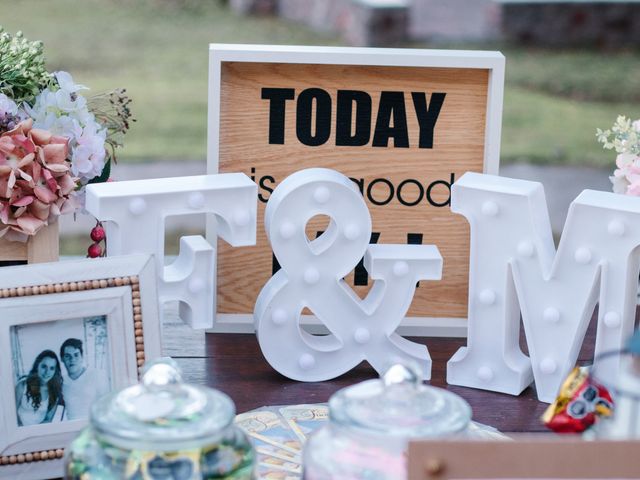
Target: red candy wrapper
[{"x": 580, "y": 401}]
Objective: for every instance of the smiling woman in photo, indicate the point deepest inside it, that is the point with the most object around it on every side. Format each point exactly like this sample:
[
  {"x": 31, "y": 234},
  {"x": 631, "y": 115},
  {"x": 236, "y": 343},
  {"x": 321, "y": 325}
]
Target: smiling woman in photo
[{"x": 39, "y": 393}]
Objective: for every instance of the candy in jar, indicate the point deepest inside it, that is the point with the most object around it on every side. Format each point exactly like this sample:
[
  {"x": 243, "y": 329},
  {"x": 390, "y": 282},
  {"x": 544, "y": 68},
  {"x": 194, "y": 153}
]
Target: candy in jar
[
  {"x": 161, "y": 429},
  {"x": 371, "y": 423}
]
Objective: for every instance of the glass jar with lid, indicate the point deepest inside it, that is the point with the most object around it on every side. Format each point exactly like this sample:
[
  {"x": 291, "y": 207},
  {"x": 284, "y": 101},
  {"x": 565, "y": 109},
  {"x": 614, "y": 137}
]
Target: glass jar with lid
[
  {"x": 161, "y": 429},
  {"x": 372, "y": 422}
]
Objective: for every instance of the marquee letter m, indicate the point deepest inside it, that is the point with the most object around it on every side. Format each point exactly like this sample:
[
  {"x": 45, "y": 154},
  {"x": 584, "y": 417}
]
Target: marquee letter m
[{"x": 514, "y": 268}]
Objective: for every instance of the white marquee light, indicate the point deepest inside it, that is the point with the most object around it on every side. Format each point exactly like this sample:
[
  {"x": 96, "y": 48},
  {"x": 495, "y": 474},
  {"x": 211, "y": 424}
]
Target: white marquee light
[
  {"x": 138, "y": 210},
  {"x": 514, "y": 266},
  {"x": 312, "y": 276}
]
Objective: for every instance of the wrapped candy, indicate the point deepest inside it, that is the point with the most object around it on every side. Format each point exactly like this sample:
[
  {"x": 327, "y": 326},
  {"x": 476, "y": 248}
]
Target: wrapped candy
[{"x": 580, "y": 402}]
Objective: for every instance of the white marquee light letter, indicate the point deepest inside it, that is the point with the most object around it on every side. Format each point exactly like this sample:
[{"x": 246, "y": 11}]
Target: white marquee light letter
[
  {"x": 138, "y": 210},
  {"x": 513, "y": 263},
  {"x": 312, "y": 276}
]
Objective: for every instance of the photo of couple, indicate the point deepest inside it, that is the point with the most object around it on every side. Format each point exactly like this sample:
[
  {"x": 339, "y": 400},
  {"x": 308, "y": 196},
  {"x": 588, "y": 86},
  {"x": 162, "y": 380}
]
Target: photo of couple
[{"x": 69, "y": 370}]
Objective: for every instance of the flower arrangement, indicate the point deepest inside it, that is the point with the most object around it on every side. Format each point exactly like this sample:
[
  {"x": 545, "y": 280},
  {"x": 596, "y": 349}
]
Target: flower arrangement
[
  {"x": 53, "y": 140},
  {"x": 624, "y": 138}
]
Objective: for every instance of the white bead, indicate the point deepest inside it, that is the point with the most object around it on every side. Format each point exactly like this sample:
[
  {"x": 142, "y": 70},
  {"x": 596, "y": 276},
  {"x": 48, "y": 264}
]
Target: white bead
[
  {"x": 287, "y": 230},
  {"x": 490, "y": 209},
  {"x": 400, "y": 268},
  {"x": 487, "y": 297},
  {"x": 306, "y": 361},
  {"x": 583, "y": 255},
  {"x": 279, "y": 316},
  {"x": 321, "y": 195},
  {"x": 525, "y": 249},
  {"x": 361, "y": 335},
  {"x": 196, "y": 201},
  {"x": 196, "y": 285},
  {"x": 551, "y": 315},
  {"x": 612, "y": 319},
  {"x": 137, "y": 206},
  {"x": 311, "y": 276},
  {"x": 548, "y": 366},
  {"x": 241, "y": 218},
  {"x": 485, "y": 374},
  {"x": 616, "y": 228},
  {"x": 351, "y": 231}
]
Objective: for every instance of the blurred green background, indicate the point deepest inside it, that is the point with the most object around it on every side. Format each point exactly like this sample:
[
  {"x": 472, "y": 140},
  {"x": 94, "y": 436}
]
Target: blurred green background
[{"x": 158, "y": 49}]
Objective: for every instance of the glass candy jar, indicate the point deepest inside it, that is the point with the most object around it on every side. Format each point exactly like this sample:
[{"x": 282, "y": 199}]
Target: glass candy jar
[
  {"x": 372, "y": 422},
  {"x": 161, "y": 429}
]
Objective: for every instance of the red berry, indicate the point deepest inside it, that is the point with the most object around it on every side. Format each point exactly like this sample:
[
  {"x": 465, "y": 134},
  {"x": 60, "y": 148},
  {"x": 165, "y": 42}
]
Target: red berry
[
  {"x": 97, "y": 234},
  {"x": 94, "y": 251}
]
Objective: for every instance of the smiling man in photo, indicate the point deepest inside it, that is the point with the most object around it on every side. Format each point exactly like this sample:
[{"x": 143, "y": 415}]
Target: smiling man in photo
[{"x": 82, "y": 385}]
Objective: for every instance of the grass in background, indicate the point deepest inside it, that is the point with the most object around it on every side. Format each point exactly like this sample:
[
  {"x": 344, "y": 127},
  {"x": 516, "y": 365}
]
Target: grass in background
[
  {"x": 158, "y": 50},
  {"x": 555, "y": 99}
]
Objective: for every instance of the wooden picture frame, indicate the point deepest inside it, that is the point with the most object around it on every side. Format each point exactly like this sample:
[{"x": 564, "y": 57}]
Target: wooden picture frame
[
  {"x": 242, "y": 138},
  {"x": 527, "y": 458},
  {"x": 109, "y": 306}
]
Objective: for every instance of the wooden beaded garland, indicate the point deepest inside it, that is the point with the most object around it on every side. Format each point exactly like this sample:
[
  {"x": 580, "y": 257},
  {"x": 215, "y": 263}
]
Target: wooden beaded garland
[{"x": 49, "y": 289}]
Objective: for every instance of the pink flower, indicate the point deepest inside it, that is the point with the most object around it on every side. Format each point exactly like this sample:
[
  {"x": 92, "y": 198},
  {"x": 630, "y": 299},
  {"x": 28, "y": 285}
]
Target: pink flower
[
  {"x": 634, "y": 189},
  {"x": 36, "y": 185}
]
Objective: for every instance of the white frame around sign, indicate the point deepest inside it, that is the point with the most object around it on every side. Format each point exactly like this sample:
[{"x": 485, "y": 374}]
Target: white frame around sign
[
  {"x": 113, "y": 296},
  {"x": 494, "y": 62}
]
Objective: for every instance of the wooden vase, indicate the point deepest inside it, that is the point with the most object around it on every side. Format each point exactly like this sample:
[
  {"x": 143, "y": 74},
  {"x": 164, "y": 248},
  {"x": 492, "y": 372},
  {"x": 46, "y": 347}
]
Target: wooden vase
[{"x": 40, "y": 248}]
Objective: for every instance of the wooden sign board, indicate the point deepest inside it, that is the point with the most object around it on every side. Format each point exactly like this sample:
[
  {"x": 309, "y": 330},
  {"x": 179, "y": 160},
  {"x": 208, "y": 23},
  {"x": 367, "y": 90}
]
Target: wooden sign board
[
  {"x": 402, "y": 124},
  {"x": 527, "y": 459}
]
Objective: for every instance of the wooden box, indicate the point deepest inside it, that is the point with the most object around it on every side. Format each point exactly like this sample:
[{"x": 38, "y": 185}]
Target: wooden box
[{"x": 42, "y": 247}]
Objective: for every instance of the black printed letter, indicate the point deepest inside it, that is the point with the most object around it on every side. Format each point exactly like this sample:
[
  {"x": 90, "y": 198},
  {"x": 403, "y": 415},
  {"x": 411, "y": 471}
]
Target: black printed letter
[
  {"x": 304, "y": 117},
  {"x": 344, "y": 116},
  {"x": 277, "y": 97},
  {"x": 391, "y": 106},
  {"x": 427, "y": 117}
]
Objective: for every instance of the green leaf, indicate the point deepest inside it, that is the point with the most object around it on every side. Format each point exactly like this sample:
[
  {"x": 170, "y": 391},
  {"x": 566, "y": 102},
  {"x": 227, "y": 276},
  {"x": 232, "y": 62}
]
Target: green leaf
[{"x": 104, "y": 176}]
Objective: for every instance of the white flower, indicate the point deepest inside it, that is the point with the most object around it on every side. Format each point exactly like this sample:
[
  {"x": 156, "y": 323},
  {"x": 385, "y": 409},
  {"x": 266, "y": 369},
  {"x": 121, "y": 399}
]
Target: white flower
[
  {"x": 88, "y": 155},
  {"x": 65, "y": 126},
  {"x": 44, "y": 104},
  {"x": 66, "y": 82},
  {"x": 64, "y": 112},
  {"x": 70, "y": 102},
  {"x": 7, "y": 106},
  {"x": 636, "y": 126},
  {"x": 619, "y": 182},
  {"x": 625, "y": 160}
]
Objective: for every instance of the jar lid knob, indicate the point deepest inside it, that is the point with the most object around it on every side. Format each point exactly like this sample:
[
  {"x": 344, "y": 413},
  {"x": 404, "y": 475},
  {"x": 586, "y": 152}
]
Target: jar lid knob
[
  {"x": 162, "y": 374},
  {"x": 401, "y": 373}
]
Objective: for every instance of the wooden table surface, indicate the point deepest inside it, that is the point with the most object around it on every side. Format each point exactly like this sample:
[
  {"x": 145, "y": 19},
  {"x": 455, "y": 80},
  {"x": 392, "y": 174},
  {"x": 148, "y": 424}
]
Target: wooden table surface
[{"x": 234, "y": 364}]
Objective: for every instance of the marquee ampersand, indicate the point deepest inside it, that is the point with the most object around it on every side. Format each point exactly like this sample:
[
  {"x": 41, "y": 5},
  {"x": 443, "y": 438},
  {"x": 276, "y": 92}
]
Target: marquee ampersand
[{"x": 312, "y": 276}]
